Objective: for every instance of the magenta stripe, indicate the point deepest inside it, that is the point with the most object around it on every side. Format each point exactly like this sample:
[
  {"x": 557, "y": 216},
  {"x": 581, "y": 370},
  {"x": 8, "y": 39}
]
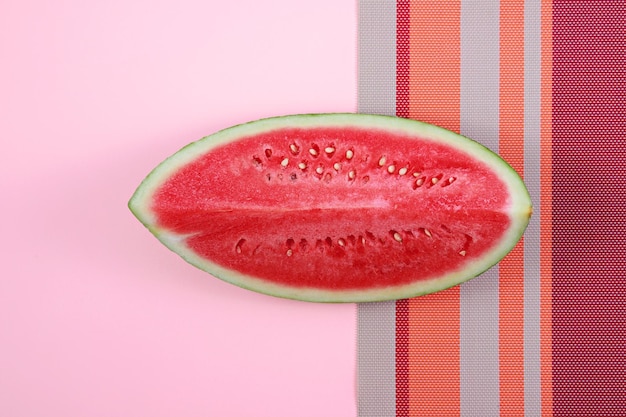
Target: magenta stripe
[
  {"x": 402, "y": 358},
  {"x": 402, "y": 110},
  {"x": 402, "y": 58},
  {"x": 589, "y": 208}
]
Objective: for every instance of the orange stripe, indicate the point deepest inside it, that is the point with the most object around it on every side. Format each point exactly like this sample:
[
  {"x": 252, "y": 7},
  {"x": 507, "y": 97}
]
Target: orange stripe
[
  {"x": 434, "y": 97},
  {"x": 511, "y": 148},
  {"x": 435, "y": 61},
  {"x": 434, "y": 365},
  {"x": 546, "y": 209}
]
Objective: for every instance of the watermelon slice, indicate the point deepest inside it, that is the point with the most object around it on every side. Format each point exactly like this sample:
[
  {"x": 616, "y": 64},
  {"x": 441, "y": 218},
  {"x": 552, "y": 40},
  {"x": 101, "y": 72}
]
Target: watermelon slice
[{"x": 336, "y": 207}]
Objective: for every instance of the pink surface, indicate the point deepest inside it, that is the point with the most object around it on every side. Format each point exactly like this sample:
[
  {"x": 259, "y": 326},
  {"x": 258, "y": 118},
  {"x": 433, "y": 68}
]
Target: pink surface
[{"x": 97, "y": 318}]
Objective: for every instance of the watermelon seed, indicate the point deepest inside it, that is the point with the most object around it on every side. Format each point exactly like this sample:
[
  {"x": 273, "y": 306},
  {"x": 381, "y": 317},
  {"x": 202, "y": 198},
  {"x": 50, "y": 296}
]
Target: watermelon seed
[
  {"x": 302, "y": 165},
  {"x": 416, "y": 174},
  {"x": 448, "y": 182},
  {"x": 315, "y": 150},
  {"x": 396, "y": 236},
  {"x": 341, "y": 242},
  {"x": 462, "y": 253},
  {"x": 349, "y": 154},
  {"x": 418, "y": 183},
  {"x": 427, "y": 233},
  {"x": 284, "y": 162},
  {"x": 351, "y": 174},
  {"x": 382, "y": 161},
  {"x": 391, "y": 168},
  {"x": 434, "y": 180},
  {"x": 362, "y": 240},
  {"x": 329, "y": 150},
  {"x": 239, "y": 245},
  {"x": 319, "y": 170},
  {"x": 403, "y": 171},
  {"x": 289, "y": 252},
  {"x": 294, "y": 149},
  {"x": 337, "y": 166},
  {"x": 268, "y": 153}
]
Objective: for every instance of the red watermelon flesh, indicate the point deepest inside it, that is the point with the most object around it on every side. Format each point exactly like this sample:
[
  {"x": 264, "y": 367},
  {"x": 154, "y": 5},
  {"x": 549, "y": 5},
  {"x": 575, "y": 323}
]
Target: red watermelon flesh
[{"x": 336, "y": 207}]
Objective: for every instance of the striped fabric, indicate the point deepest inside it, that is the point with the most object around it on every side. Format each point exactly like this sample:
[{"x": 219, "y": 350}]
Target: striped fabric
[{"x": 543, "y": 83}]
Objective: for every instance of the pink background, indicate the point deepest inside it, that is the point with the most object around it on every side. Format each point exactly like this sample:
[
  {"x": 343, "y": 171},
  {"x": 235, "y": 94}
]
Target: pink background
[{"x": 97, "y": 318}]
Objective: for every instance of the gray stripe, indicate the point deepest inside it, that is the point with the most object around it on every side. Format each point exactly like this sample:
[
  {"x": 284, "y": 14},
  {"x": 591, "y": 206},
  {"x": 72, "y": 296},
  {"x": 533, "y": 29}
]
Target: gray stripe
[
  {"x": 532, "y": 165},
  {"x": 376, "y": 359},
  {"x": 376, "y": 329},
  {"x": 377, "y": 57},
  {"x": 480, "y": 90}
]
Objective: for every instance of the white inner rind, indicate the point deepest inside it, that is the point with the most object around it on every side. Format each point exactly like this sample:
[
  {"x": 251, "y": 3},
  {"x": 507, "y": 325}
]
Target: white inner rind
[{"x": 519, "y": 210}]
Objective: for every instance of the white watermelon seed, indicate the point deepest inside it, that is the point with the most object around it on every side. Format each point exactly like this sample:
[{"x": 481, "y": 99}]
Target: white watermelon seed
[
  {"x": 319, "y": 170},
  {"x": 294, "y": 148},
  {"x": 349, "y": 154},
  {"x": 427, "y": 233},
  {"x": 289, "y": 252},
  {"x": 341, "y": 242},
  {"x": 382, "y": 161},
  {"x": 434, "y": 180},
  {"x": 329, "y": 150},
  {"x": 403, "y": 171},
  {"x": 397, "y": 237},
  {"x": 302, "y": 165},
  {"x": 391, "y": 168},
  {"x": 337, "y": 166},
  {"x": 313, "y": 152},
  {"x": 462, "y": 253},
  {"x": 284, "y": 162},
  {"x": 419, "y": 182},
  {"x": 352, "y": 174}
]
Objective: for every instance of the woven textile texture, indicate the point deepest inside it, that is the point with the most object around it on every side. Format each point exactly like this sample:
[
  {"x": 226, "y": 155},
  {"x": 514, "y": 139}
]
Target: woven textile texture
[{"x": 543, "y": 84}]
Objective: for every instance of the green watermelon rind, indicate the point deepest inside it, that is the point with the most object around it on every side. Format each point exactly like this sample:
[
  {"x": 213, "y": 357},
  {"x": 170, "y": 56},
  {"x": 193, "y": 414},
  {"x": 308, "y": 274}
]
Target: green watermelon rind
[{"x": 520, "y": 208}]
